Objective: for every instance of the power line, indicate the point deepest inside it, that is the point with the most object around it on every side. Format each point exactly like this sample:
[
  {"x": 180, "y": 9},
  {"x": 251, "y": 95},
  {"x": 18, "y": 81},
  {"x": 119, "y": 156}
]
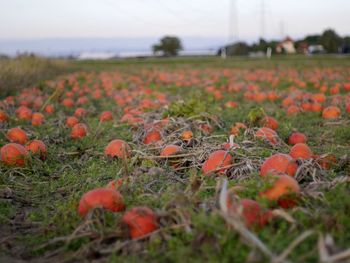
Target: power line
[
  {"x": 132, "y": 17},
  {"x": 177, "y": 14},
  {"x": 126, "y": 13},
  {"x": 181, "y": 20},
  {"x": 194, "y": 9}
]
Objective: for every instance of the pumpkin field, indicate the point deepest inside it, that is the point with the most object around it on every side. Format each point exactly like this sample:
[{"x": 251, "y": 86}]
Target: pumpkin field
[{"x": 178, "y": 160}]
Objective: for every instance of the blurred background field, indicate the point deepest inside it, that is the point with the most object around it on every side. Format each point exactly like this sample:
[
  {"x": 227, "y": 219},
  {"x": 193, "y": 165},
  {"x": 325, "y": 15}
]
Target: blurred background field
[{"x": 26, "y": 70}]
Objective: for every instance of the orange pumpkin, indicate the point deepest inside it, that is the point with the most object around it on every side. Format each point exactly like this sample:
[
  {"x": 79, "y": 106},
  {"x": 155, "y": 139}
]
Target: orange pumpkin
[
  {"x": 24, "y": 113},
  {"x": 68, "y": 103},
  {"x": 297, "y": 137},
  {"x": 267, "y": 134},
  {"x": 37, "y": 147},
  {"x": 117, "y": 148},
  {"x": 71, "y": 121},
  {"x": 293, "y": 110},
  {"x": 285, "y": 190},
  {"x": 37, "y": 119},
  {"x": 170, "y": 150},
  {"x": 301, "y": 150},
  {"x": 79, "y": 130},
  {"x": 106, "y": 198},
  {"x": 17, "y": 135},
  {"x": 279, "y": 164},
  {"x": 152, "y": 136},
  {"x": 3, "y": 116},
  {"x": 187, "y": 135},
  {"x": 13, "y": 154},
  {"x": 49, "y": 109},
  {"x": 80, "y": 112},
  {"x": 269, "y": 122},
  {"x": 251, "y": 212},
  {"x": 331, "y": 112},
  {"x": 141, "y": 221},
  {"x": 217, "y": 160},
  {"x": 106, "y": 116}
]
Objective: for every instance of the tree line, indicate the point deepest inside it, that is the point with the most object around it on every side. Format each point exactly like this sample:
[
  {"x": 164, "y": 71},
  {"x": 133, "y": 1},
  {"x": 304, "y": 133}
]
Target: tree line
[{"x": 329, "y": 39}]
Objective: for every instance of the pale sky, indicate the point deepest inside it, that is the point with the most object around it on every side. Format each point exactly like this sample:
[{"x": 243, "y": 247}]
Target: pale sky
[{"x": 32, "y": 19}]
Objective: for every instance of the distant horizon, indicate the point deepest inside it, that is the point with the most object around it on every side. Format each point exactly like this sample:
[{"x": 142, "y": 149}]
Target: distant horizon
[
  {"x": 63, "y": 46},
  {"x": 66, "y": 46},
  {"x": 245, "y": 39}
]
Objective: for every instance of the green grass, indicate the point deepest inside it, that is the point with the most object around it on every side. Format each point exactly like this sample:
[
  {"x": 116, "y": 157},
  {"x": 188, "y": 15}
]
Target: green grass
[{"x": 45, "y": 194}]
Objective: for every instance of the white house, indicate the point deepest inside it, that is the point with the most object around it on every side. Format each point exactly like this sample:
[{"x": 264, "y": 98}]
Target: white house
[{"x": 286, "y": 46}]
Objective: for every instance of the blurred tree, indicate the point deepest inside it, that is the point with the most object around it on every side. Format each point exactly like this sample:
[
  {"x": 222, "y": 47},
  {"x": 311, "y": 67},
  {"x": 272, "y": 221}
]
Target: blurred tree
[
  {"x": 242, "y": 48},
  {"x": 312, "y": 39},
  {"x": 168, "y": 46},
  {"x": 331, "y": 41},
  {"x": 263, "y": 45},
  {"x": 346, "y": 45},
  {"x": 238, "y": 49},
  {"x": 4, "y": 56},
  {"x": 347, "y": 40}
]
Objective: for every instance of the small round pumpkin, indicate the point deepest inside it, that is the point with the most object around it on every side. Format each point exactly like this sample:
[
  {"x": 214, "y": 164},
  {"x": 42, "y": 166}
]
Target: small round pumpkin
[
  {"x": 269, "y": 122},
  {"x": 117, "y": 148},
  {"x": 106, "y": 116},
  {"x": 17, "y": 135},
  {"x": 331, "y": 112},
  {"x": 152, "y": 136},
  {"x": 285, "y": 190},
  {"x": 141, "y": 221},
  {"x": 13, "y": 154},
  {"x": 301, "y": 151},
  {"x": 297, "y": 137},
  {"x": 3, "y": 116},
  {"x": 71, "y": 121},
  {"x": 79, "y": 130},
  {"x": 37, "y": 119},
  {"x": 107, "y": 198},
  {"x": 187, "y": 135},
  {"x": 251, "y": 212},
  {"x": 37, "y": 147},
  {"x": 279, "y": 164},
  {"x": 170, "y": 150},
  {"x": 267, "y": 134},
  {"x": 217, "y": 160}
]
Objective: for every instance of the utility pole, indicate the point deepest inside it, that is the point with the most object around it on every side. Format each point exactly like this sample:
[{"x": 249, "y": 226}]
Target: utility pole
[
  {"x": 233, "y": 21},
  {"x": 262, "y": 17},
  {"x": 282, "y": 29}
]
